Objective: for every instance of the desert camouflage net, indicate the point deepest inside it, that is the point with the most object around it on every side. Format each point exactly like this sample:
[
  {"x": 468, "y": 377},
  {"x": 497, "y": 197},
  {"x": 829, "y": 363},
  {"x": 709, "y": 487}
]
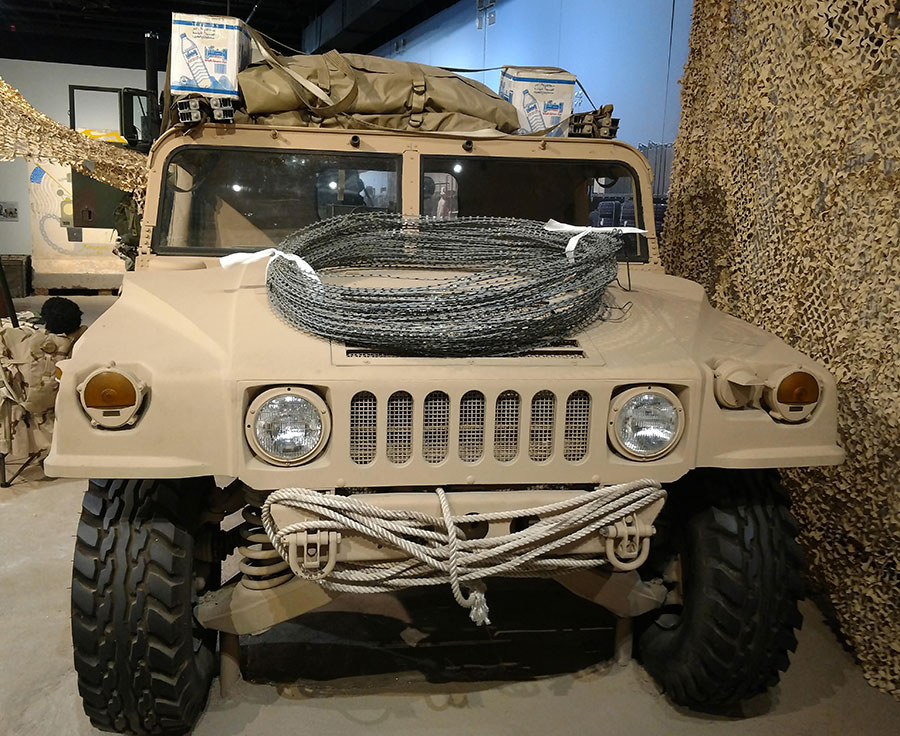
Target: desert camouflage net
[
  {"x": 784, "y": 204},
  {"x": 28, "y": 133}
]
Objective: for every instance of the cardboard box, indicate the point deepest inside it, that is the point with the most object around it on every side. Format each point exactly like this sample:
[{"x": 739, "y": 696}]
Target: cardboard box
[
  {"x": 207, "y": 52},
  {"x": 541, "y": 95}
]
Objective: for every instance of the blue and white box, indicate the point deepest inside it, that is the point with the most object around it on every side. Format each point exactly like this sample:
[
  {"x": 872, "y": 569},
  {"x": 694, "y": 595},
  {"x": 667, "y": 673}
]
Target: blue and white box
[
  {"x": 542, "y": 96},
  {"x": 207, "y": 52}
]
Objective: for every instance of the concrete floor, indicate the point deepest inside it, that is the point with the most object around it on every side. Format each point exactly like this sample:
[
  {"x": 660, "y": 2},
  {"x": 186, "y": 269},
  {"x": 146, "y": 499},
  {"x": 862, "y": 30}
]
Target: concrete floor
[{"x": 823, "y": 692}]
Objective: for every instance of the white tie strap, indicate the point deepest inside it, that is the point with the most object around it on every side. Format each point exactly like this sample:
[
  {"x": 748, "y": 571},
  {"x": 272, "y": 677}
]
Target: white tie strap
[
  {"x": 579, "y": 231},
  {"x": 237, "y": 259}
]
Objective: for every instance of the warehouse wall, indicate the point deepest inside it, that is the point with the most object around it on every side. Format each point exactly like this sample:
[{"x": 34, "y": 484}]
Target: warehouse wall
[
  {"x": 46, "y": 87},
  {"x": 619, "y": 51}
]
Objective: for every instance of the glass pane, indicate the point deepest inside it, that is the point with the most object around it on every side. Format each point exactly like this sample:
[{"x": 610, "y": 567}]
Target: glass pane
[
  {"x": 249, "y": 199},
  {"x": 601, "y": 194}
]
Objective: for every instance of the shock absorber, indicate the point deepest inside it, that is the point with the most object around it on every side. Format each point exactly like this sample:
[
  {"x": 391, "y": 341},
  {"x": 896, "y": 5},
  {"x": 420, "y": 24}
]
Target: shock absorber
[{"x": 261, "y": 565}]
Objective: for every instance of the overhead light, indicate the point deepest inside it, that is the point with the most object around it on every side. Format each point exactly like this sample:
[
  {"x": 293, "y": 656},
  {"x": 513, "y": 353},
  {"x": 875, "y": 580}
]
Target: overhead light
[
  {"x": 457, "y": 168},
  {"x": 332, "y": 185},
  {"x": 236, "y": 187}
]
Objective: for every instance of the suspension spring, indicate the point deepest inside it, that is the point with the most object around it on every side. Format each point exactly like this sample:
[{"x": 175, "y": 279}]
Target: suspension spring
[{"x": 261, "y": 565}]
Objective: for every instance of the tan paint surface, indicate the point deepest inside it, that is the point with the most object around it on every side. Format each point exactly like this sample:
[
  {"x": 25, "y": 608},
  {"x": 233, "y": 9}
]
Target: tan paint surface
[{"x": 205, "y": 341}]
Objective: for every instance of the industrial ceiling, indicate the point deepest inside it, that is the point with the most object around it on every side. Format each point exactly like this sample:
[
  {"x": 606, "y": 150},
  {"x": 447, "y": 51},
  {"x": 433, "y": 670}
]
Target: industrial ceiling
[{"x": 111, "y": 32}]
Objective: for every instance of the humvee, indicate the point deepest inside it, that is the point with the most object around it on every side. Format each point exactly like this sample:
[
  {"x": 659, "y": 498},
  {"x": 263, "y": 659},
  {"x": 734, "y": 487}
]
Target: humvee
[{"x": 189, "y": 401}]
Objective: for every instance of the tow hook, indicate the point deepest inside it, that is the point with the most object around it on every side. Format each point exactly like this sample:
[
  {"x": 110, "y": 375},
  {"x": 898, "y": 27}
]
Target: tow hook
[
  {"x": 312, "y": 555},
  {"x": 628, "y": 542}
]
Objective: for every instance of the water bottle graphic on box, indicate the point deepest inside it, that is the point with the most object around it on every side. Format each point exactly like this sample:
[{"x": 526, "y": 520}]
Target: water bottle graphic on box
[
  {"x": 533, "y": 112},
  {"x": 207, "y": 53},
  {"x": 191, "y": 54}
]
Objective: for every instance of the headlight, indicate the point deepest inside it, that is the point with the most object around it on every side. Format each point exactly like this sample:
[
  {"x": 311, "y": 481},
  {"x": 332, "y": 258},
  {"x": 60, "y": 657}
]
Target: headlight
[
  {"x": 646, "y": 422},
  {"x": 287, "y": 425}
]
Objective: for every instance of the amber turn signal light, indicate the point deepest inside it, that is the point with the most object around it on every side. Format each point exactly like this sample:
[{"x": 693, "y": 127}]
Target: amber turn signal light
[
  {"x": 109, "y": 390},
  {"x": 112, "y": 397},
  {"x": 798, "y": 388}
]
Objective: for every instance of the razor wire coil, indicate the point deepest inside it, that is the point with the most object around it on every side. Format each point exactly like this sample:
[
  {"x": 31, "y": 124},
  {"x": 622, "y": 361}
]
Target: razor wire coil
[{"x": 513, "y": 287}]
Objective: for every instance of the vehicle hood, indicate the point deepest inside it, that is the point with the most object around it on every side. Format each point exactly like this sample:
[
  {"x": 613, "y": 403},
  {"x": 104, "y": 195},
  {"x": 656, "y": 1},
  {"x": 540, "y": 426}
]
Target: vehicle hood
[{"x": 662, "y": 322}]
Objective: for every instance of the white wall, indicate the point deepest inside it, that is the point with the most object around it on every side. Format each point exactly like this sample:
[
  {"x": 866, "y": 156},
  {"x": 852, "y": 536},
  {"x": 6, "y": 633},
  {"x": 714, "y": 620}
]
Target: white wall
[
  {"x": 46, "y": 87},
  {"x": 618, "y": 49}
]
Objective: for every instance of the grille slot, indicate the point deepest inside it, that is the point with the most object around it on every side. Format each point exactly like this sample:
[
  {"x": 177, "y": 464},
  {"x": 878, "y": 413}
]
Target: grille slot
[
  {"x": 506, "y": 426},
  {"x": 543, "y": 418},
  {"x": 399, "y": 429},
  {"x": 578, "y": 426},
  {"x": 436, "y": 426},
  {"x": 363, "y": 427},
  {"x": 471, "y": 427},
  {"x": 567, "y": 348}
]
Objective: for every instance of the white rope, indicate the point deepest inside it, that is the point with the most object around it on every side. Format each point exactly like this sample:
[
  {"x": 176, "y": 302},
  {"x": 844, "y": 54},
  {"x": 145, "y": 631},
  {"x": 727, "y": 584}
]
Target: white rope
[{"x": 439, "y": 554}]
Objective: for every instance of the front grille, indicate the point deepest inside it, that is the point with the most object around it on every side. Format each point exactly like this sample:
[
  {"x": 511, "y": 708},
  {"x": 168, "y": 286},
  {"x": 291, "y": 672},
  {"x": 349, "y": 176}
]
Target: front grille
[{"x": 467, "y": 419}]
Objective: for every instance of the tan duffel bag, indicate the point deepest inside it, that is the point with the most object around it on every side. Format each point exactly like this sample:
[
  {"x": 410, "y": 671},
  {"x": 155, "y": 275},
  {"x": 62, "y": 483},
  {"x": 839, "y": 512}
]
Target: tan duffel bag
[{"x": 343, "y": 90}]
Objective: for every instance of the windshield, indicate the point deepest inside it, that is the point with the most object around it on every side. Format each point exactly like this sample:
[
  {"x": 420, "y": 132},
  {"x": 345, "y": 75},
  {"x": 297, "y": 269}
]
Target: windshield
[
  {"x": 221, "y": 199},
  {"x": 600, "y": 194},
  {"x": 237, "y": 199}
]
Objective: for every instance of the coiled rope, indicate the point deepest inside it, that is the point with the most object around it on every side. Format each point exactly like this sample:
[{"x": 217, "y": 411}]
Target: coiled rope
[
  {"x": 438, "y": 552},
  {"x": 519, "y": 288}
]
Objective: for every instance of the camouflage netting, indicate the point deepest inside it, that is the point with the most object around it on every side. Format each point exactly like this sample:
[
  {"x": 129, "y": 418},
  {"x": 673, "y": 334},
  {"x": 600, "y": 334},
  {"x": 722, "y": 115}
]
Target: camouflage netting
[
  {"x": 784, "y": 204},
  {"x": 26, "y": 132}
]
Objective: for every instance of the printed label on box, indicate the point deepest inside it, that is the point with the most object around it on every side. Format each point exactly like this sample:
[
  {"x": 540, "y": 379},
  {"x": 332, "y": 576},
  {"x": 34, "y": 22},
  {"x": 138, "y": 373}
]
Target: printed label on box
[
  {"x": 207, "y": 52},
  {"x": 542, "y": 97}
]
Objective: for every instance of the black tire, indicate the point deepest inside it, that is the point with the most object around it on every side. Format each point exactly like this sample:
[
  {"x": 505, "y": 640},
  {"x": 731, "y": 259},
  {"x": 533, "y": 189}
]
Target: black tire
[
  {"x": 144, "y": 665},
  {"x": 741, "y": 580}
]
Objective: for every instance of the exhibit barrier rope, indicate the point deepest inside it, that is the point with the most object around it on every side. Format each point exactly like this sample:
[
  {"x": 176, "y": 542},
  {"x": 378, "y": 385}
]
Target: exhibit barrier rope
[
  {"x": 438, "y": 552},
  {"x": 520, "y": 285}
]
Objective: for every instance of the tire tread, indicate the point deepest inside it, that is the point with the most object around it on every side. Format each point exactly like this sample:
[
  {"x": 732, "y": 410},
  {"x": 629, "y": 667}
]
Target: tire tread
[
  {"x": 131, "y": 608},
  {"x": 740, "y": 612}
]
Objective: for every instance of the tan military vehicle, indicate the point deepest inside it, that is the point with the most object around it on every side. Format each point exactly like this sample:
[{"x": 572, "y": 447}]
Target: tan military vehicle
[{"x": 632, "y": 461}]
